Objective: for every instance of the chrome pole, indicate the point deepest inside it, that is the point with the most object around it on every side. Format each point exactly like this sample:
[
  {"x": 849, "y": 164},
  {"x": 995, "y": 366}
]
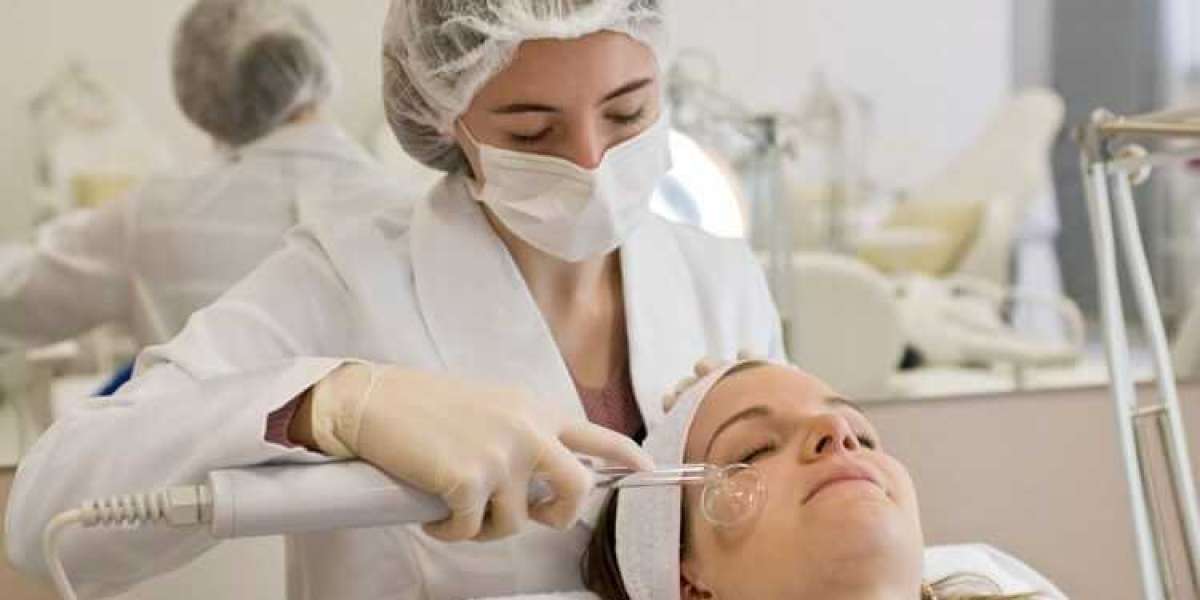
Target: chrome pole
[
  {"x": 1168, "y": 394},
  {"x": 1103, "y": 171},
  {"x": 1120, "y": 373}
]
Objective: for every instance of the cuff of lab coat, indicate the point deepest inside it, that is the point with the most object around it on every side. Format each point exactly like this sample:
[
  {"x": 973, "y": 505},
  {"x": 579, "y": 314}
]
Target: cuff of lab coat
[
  {"x": 279, "y": 423},
  {"x": 273, "y": 420}
]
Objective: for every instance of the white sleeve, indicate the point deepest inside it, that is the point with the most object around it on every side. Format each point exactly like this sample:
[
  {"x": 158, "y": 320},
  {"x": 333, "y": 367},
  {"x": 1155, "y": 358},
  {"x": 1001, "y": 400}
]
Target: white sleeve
[
  {"x": 72, "y": 279},
  {"x": 199, "y": 403}
]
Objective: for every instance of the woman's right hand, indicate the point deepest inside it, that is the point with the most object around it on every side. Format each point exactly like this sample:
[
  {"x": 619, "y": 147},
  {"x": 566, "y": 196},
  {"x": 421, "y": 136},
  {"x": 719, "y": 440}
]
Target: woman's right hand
[{"x": 476, "y": 446}]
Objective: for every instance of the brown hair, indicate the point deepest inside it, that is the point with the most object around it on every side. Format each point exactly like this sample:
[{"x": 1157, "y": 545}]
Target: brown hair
[{"x": 602, "y": 575}]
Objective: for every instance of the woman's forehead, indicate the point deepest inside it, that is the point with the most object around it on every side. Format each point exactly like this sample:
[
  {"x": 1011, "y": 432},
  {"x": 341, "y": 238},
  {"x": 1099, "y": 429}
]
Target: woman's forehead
[
  {"x": 771, "y": 384},
  {"x": 601, "y": 60},
  {"x": 782, "y": 390}
]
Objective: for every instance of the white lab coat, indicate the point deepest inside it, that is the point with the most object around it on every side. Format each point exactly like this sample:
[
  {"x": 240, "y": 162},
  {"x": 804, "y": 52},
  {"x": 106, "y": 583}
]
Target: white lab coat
[
  {"x": 432, "y": 288},
  {"x": 177, "y": 243}
]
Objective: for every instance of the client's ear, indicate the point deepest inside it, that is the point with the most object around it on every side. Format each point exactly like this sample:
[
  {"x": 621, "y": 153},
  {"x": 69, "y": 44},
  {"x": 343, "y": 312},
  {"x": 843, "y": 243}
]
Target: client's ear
[{"x": 690, "y": 586}]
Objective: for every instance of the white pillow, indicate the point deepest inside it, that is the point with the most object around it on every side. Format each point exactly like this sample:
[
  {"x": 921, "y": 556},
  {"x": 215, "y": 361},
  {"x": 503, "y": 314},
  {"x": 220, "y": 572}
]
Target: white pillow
[{"x": 1012, "y": 575}]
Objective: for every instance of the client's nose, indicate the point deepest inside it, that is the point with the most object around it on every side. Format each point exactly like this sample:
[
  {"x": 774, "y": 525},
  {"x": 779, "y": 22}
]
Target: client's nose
[{"x": 830, "y": 435}]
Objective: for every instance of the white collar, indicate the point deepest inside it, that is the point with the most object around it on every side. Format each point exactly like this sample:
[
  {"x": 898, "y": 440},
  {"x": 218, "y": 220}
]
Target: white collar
[
  {"x": 318, "y": 137},
  {"x": 485, "y": 323}
]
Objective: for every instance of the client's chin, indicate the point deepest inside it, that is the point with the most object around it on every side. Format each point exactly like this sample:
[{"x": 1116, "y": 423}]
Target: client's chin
[{"x": 857, "y": 524}]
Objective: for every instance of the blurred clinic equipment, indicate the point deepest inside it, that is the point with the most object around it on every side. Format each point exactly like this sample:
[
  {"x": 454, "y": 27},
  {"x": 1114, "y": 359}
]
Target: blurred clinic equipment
[
  {"x": 91, "y": 144},
  {"x": 990, "y": 214}
]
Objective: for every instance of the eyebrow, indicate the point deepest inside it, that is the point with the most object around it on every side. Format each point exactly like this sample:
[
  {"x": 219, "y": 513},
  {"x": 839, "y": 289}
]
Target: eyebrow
[
  {"x": 523, "y": 107},
  {"x": 531, "y": 107},
  {"x": 760, "y": 411},
  {"x": 754, "y": 412},
  {"x": 628, "y": 88}
]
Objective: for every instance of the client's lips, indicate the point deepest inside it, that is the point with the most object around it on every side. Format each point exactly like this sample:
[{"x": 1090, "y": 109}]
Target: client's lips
[{"x": 839, "y": 474}]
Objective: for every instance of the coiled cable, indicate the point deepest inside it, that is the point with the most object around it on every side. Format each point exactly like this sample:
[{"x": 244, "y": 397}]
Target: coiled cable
[{"x": 180, "y": 506}]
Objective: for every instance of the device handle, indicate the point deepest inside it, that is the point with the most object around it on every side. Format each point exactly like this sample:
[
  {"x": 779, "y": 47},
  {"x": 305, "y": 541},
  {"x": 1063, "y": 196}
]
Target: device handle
[{"x": 284, "y": 499}]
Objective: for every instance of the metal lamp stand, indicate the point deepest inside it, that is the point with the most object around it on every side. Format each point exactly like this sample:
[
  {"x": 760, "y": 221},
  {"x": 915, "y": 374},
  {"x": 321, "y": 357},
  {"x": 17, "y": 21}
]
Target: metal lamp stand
[{"x": 1109, "y": 172}]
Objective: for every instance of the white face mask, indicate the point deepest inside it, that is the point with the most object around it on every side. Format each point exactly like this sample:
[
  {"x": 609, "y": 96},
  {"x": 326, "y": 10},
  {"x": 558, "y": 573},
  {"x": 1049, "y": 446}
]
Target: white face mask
[{"x": 565, "y": 210}]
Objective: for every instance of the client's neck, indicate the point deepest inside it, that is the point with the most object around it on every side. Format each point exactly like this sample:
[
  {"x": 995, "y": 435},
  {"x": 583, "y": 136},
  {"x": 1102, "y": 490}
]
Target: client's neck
[
  {"x": 868, "y": 579},
  {"x": 890, "y": 592}
]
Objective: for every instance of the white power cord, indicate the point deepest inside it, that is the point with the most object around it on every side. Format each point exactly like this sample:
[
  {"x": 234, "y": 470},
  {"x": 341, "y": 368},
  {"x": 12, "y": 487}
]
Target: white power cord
[
  {"x": 257, "y": 501},
  {"x": 181, "y": 506}
]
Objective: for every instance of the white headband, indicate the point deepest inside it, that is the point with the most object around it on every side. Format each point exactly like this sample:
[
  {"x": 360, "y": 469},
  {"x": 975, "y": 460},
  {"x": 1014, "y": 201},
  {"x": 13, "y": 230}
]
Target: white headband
[{"x": 648, "y": 519}]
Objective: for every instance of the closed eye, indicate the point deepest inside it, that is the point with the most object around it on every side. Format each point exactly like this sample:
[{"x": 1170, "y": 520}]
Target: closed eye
[
  {"x": 757, "y": 453},
  {"x": 628, "y": 119},
  {"x": 868, "y": 442},
  {"x": 529, "y": 139}
]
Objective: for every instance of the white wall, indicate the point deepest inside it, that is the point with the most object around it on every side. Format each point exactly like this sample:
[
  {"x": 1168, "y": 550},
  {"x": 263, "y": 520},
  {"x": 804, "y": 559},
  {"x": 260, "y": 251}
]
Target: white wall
[
  {"x": 1033, "y": 44},
  {"x": 935, "y": 68}
]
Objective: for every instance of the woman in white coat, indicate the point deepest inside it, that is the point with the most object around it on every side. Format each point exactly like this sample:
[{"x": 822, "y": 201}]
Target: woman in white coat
[
  {"x": 461, "y": 346},
  {"x": 254, "y": 75}
]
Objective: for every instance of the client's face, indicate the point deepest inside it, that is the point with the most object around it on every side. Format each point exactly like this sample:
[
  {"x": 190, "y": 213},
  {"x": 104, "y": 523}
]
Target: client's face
[{"x": 840, "y": 515}]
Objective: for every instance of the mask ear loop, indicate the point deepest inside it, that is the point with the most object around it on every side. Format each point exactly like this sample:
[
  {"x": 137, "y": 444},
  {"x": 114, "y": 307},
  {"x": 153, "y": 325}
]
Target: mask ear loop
[
  {"x": 466, "y": 131},
  {"x": 474, "y": 185}
]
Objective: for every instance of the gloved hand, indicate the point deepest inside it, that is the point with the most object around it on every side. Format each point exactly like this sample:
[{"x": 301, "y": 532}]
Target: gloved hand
[{"x": 476, "y": 446}]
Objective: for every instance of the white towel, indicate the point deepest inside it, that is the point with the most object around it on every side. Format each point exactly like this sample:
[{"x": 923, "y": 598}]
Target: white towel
[{"x": 1012, "y": 575}]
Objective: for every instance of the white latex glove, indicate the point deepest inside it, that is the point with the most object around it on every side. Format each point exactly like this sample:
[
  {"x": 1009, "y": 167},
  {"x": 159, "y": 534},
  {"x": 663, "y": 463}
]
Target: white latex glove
[{"x": 476, "y": 446}]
